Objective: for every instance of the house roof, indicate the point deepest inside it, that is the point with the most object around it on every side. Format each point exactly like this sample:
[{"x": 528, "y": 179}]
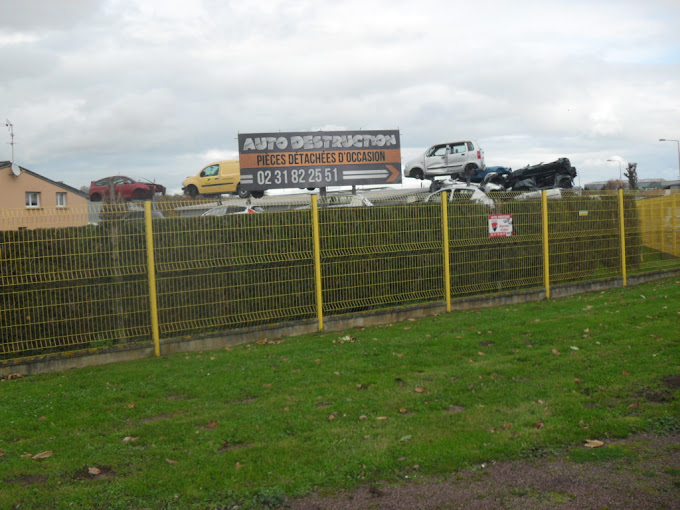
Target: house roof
[{"x": 4, "y": 164}]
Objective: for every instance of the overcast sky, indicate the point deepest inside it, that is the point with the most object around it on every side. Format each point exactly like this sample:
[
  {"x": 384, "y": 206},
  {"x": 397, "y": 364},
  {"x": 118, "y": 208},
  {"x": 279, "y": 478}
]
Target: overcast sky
[{"x": 159, "y": 89}]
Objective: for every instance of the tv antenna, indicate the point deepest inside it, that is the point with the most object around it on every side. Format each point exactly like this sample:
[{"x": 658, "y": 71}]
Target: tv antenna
[{"x": 10, "y": 126}]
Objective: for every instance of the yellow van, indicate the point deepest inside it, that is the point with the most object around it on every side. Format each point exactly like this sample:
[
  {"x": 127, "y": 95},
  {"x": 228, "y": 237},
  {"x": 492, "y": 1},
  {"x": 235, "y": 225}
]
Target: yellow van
[{"x": 216, "y": 179}]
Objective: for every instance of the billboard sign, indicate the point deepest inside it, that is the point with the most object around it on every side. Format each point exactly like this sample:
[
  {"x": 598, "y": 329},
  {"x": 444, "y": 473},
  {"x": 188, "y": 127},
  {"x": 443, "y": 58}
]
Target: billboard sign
[{"x": 319, "y": 159}]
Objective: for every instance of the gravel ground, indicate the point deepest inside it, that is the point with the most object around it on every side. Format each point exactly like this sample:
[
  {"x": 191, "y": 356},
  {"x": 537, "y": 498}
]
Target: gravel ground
[{"x": 646, "y": 475}]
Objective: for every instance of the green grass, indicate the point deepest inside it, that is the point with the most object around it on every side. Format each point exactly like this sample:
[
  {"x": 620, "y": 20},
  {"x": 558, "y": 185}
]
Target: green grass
[
  {"x": 606, "y": 453},
  {"x": 260, "y": 423}
]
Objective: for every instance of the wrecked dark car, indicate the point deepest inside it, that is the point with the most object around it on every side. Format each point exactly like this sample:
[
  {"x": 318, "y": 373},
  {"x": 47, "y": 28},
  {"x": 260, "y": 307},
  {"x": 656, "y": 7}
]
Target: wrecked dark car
[
  {"x": 481, "y": 174},
  {"x": 557, "y": 174}
]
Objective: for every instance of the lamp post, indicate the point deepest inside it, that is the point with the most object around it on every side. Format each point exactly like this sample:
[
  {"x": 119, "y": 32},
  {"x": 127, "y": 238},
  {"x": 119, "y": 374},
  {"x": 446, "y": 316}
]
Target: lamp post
[
  {"x": 620, "y": 170},
  {"x": 676, "y": 141}
]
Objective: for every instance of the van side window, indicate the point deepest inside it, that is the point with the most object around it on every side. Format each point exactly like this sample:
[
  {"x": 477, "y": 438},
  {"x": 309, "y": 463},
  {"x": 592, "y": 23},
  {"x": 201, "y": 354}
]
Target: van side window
[
  {"x": 458, "y": 148},
  {"x": 210, "y": 171},
  {"x": 470, "y": 146}
]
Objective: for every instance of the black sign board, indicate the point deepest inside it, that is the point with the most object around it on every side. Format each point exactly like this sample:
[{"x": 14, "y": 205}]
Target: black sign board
[{"x": 319, "y": 159}]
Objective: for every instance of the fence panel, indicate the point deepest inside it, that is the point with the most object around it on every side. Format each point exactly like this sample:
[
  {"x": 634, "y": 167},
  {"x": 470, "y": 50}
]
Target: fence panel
[
  {"x": 75, "y": 287},
  {"x": 483, "y": 264},
  {"x": 584, "y": 236},
  {"x": 78, "y": 279},
  {"x": 386, "y": 255},
  {"x": 659, "y": 233},
  {"x": 232, "y": 270}
]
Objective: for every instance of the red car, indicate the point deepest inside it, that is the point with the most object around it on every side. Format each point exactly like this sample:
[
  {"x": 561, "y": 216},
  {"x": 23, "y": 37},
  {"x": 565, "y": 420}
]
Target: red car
[{"x": 124, "y": 187}]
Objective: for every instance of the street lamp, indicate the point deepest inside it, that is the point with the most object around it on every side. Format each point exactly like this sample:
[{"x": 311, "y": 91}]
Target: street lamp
[
  {"x": 676, "y": 141},
  {"x": 620, "y": 171}
]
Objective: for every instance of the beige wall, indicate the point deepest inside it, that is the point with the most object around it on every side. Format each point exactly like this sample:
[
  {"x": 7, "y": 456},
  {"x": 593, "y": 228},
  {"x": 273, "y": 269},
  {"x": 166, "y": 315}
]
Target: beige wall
[{"x": 13, "y": 211}]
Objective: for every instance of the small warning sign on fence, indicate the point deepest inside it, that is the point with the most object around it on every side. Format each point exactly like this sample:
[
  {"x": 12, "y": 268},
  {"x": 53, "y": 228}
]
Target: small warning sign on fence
[{"x": 500, "y": 225}]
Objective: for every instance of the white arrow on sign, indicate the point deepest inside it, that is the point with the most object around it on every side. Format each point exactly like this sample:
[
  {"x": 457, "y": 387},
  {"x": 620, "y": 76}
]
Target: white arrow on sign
[{"x": 372, "y": 173}]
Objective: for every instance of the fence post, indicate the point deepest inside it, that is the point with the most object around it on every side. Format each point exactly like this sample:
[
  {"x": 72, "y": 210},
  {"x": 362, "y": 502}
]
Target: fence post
[
  {"x": 622, "y": 231},
  {"x": 674, "y": 223},
  {"x": 445, "y": 246},
  {"x": 151, "y": 267},
  {"x": 317, "y": 260},
  {"x": 546, "y": 247}
]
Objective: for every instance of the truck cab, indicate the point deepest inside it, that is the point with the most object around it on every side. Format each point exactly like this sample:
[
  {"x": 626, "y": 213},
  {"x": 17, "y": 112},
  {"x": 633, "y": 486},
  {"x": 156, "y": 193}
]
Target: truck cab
[{"x": 216, "y": 179}]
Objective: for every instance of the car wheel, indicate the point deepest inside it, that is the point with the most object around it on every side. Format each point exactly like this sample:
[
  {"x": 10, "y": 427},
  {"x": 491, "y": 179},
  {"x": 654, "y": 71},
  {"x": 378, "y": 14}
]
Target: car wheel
[
  {"x": 242, "y": 193},
  {"x": 95, "y": 197},
  {"x": 469, "y": 171},
  {"x": 417, "y": 173},
  {"x": 258, "y": 194},
  {"x": 139, "y": 194},
  {"x": 192, "y": 191}
]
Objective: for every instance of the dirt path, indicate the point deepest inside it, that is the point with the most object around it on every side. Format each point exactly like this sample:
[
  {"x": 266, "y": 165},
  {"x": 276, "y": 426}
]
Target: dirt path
[{"x": 641, "y": 472}]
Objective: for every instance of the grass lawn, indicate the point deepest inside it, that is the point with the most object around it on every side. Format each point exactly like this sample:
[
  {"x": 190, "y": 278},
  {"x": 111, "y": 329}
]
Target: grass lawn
[{"x": 255, "y": 424}]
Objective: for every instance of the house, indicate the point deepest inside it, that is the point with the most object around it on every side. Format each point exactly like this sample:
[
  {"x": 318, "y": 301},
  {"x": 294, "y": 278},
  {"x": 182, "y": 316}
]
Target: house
[{"x": 30, "y": 200}]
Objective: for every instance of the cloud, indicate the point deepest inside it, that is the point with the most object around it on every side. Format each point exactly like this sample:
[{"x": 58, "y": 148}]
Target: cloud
[{"x": 160, "y": 89}]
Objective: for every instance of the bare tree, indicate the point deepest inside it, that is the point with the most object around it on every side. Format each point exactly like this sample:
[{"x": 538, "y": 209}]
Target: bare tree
[{"x": 631, "y": 175}]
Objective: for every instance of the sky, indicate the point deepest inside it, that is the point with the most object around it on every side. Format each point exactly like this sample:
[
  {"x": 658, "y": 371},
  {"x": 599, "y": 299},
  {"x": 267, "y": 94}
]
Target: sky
[{"x": 160, "y": 89}]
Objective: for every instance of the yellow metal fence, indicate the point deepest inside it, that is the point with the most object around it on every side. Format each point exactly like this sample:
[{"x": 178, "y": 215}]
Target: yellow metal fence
[{"x": 118, "y": 274}]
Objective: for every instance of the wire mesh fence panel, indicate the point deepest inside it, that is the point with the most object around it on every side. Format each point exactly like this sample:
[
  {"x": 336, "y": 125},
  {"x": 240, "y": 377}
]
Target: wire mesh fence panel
[
  {"x": 659, "y": 233},
  {"x": 73, "y": 317},
  {"x": 382, "y": 255},
  {"x": 227, "y": 264},
  {"x": 584, "y": 236},
  {"x": 483, "y": 261},
  {"x": 80, "y": 279},
  {"x": 71, "y": 287}
]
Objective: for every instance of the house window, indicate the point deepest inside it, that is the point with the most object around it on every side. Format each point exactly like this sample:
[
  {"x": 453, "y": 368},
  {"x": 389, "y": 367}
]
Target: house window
[
  {"x": 61, "y": 199},
  {"x": 32, "y": 199}
]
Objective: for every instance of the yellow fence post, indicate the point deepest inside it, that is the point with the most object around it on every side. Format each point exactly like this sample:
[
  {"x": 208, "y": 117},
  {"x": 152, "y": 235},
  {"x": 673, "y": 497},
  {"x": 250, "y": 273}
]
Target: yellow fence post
[
  {"x": 622, "y": 231},
  {"x": 546, "y": 248},
  {"x": 445, "y": 246},
  {"x": 674, "y": 223},
  {"x": 151, "y": 265},
  {"x": 317, "y": 260}
]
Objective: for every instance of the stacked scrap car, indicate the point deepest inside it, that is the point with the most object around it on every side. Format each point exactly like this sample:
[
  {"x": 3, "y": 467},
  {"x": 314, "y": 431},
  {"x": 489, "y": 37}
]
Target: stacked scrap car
[
  {"x": 463, "y": 158},
  {"x": 557, "y": 174}
]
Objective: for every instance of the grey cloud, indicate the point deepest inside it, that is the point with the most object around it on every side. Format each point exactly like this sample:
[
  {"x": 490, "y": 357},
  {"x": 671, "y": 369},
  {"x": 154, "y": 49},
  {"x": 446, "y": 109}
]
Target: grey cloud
[
  {"x": 150, "y": 88},
  {"x": 37, "y": 15}
]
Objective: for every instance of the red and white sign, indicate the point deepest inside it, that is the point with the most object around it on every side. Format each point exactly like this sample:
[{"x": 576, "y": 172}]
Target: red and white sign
[{"x": 500, "y": 225}]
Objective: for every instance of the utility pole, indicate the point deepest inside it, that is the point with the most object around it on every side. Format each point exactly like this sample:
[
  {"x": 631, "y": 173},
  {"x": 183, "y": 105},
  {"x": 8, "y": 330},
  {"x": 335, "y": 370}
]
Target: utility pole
[{"x": 10, "y": 126}]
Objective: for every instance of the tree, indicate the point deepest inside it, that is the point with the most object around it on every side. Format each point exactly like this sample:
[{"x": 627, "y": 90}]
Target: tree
[
  {"x": 614, "y": 184},
  {"x": 631, "y": 175}
]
